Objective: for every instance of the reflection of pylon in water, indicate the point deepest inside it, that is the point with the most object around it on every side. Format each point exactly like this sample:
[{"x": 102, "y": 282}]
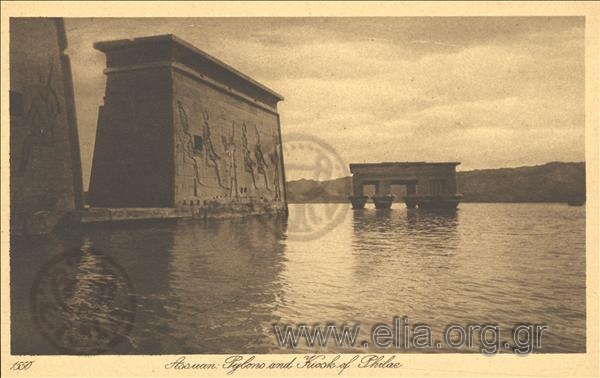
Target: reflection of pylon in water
[
  {"x": 299, "y": 222},
  {"x": 305, "y": 219}
]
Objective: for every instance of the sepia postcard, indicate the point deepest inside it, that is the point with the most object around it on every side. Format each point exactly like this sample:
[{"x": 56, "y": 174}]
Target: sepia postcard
[{"x": 303, "y": 188}]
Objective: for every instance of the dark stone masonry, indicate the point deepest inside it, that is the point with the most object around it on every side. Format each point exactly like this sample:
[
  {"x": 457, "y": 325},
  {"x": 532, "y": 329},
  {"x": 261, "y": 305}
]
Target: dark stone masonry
[
  {"x": 428, "y": 185},
  {"x": 45, "y": 166},
  {"x": 180, "y": 135},
  {"x": 181, "y": 129}
]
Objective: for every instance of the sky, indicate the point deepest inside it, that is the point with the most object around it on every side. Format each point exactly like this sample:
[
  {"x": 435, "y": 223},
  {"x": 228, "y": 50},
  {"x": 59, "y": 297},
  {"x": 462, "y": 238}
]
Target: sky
[{"x": 489, "y": 92}]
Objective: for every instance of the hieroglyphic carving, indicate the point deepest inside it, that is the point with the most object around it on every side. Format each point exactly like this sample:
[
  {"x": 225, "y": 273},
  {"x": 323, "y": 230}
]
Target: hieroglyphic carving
[
  {"x": 230, "y": 149},
  {"x": 274, "y": 158},
  {"x": 261, "y": 164},
  {"x": 41, "y": 115},
  {"x": 187, "y": 142},
  {"x": 211, "y": 157},
  {"x": 254, "y": 159},
  {"x": 248, "y": 162}
]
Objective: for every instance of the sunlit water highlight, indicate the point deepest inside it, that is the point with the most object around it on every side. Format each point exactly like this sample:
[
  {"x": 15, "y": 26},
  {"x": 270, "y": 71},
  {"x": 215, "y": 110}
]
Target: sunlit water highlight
[{"x": 219, "y": 287}]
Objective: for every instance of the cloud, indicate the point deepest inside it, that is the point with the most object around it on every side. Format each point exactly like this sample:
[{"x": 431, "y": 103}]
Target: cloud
[{"x": 490, "y": 92}]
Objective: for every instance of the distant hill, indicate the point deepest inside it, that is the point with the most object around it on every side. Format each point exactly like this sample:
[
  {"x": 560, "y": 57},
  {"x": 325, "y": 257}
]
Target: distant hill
[{"x": 551, "y": 182}]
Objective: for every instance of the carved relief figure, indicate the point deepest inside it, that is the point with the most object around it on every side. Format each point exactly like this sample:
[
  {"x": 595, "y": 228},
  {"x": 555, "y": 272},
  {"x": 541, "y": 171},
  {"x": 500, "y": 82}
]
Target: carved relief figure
[
  {"x": 230, "y": 149},
  {"x": 193, "y": 155},
  {"x": 187, "y": 142},
  {"x": 248, "y": 162},
  {"x": 211, "y": 157},
  {"x": 261, "y": 163},
  {"x": 225, "y": 166},
  {"x": 41, "y": 115},
  {"x": 274, "y": 158}
]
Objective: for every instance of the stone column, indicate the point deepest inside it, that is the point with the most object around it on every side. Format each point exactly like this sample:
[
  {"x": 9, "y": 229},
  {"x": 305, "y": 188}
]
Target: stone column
[
  {"x": 358, "y": 199},
  {"x": 383, "y": 199},
  {"x": 451, "y": 185},
  {"x": 411, "y": 193},
  {"x": 384, "y": 188},
  {"x": 357, "y": 186}
]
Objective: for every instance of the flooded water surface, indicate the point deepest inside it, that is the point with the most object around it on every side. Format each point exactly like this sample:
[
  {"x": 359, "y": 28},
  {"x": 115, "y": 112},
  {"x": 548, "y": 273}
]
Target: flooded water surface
[{"x": 219, "y": 287}]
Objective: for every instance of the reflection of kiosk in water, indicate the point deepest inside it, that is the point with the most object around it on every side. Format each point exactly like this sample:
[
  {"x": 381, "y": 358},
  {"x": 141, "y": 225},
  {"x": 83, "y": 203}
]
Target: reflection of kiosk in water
[{"x": 428, "y": 185}]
